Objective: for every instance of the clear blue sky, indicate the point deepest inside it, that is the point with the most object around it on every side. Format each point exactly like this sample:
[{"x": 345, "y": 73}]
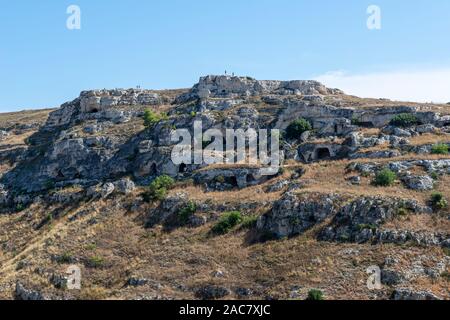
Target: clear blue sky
[{"x": 171, "y": 43}]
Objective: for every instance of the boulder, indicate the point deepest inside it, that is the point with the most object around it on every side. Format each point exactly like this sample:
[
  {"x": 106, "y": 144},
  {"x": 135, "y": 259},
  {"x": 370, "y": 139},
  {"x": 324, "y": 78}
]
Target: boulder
[
  {"x": 124, "y": 186},
  {"x": 408, "y": 294},
  {"x": 211, "y": 292},
  {"x": 292, "y": 214},
  {"x": 420, "y": 183}
]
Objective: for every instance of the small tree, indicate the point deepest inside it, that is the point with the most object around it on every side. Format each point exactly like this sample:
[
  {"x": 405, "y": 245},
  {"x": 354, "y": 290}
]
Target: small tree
[
  {"x": 405, "y": 120},
  {"x": 439, "y": 148},
  {"x": 296, "y": 128},
  {"x": 385, "y": 178}
]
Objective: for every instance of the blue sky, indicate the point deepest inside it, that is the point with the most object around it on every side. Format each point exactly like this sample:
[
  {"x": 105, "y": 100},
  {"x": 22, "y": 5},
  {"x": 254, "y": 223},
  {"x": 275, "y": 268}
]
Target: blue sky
[{"x": 171, "y": 43}]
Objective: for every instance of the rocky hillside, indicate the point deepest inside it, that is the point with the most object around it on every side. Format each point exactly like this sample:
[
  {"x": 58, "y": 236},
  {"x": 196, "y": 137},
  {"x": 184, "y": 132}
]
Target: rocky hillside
[{"x": 363, "y": 182}]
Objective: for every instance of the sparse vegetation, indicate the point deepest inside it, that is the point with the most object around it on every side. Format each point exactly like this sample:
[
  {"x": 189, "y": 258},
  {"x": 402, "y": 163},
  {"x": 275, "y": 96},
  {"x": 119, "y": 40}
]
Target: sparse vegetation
[
  {"x": 185, "y": 213},
  {"x": 65, "y": 258},
  {"x": 405, "y": 120},
  {"x": 440, "y": 148},
  {"x": 249, "y": 222},
  {"x": 296, "y": 128},
  {"x": 227, "y": 222},
  {"x": 438, "y": 201},
  {"x": 385, "y": 178},
  {"x": 152, "y": 118},
  {"x": 95, "y": 262},
  {"x": 315, "y": 295},
  {"x": 158, "y": 188}
]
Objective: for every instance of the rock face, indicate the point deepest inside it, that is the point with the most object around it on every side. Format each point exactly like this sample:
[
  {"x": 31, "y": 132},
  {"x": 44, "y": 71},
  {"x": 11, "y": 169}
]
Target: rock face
[
  {"x": 293, "y": 215},
  {"x": 99, "y": 100},
  {"x": 212, "y": 292},
  {"x": 25, "y": 294},
  {"x": 359, "y": 220},
  {"x": 232, "y": 87},
  {"x": 407, "y": 294},
  {"x": 420, "y": 183}
]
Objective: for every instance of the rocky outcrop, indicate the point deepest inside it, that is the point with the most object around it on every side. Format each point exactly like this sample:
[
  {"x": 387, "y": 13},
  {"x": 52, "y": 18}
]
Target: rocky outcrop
[
  {"x": 420, "y": 183},
  {"x": 233, "y": 87},
  {"x": 408, "y": 294},
  {"x": 359, "y": 220},
  {"x": 292, "y": 214},
  {"x": 23, "y": 293}
]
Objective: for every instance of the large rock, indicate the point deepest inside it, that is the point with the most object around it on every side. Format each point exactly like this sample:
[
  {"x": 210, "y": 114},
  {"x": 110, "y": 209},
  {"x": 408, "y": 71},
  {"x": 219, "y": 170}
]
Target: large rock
[
  {"x": 420, "y": 183},
  {"x": 23, "y": 293},
  {"x": 230, "y": 87},
  {"x": 292, "y": 214},
  {"x": 408, "y": 294}
]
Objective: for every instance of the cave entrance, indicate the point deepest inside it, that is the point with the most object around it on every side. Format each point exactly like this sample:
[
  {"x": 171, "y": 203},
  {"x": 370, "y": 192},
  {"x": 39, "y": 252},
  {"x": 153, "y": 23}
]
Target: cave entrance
[
  {"x": 323, "y": 153},
  {"x": 182, "y": 168},
  {"x": 231, "y": 181},
  {"x": 95, "y": 110},
  {"x": 251, "y": 179}
]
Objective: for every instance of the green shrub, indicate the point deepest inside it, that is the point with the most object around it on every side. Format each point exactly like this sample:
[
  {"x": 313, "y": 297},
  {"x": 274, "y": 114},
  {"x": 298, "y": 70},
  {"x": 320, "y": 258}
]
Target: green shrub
[
  {"x": 249, "y": 222},
  {"x": 440, "y": 148},
  {"x": 446, "y": 251},
  {"x": 405, "y": 120},
  {"x": 65, "y": 258},
  {"x": 434, "y": 176},
  {"x": 385, "y": 178},
  {"x": 157, "y": 190},
  {"x": 185, "y": 213},
  {"x": 296, "y": 128},
  {"x": 220, "y": 179},
  {"x": 315, "y": 295},
  {"x": 372, "y": 227},
  {"x": 438, "y": 201},
  {"x": 356, "y": 121},
  {"x": 227, "y": 222},
  {"x": 95, "y": 262},
  {"x": 152, "y": 118}
]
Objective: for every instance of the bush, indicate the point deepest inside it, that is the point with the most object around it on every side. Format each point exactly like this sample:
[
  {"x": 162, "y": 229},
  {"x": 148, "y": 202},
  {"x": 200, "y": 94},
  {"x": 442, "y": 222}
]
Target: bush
[
  {"x": 185, "y": 213},
  {"x": 227, "y": 222},
  {"x": 405, "y": 120},
  {"x": 151, "y": 118},
  {"x": 315, "y": 295},
  {"x": 65, "y": 258},
  {"x": 158, "y": 188},
  {"x": 385, "y": 178},
  {"x": 438, "y": 201},
  {"x": 298, "y": 127},
  {"x": 249, "y": 222},
  {"x": 440, "y": 148},
  {"x": 95, "y": 262}
]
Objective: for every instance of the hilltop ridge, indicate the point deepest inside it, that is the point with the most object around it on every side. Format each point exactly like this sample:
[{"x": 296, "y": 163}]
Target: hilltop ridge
[{"x": 77, "y": 187}]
